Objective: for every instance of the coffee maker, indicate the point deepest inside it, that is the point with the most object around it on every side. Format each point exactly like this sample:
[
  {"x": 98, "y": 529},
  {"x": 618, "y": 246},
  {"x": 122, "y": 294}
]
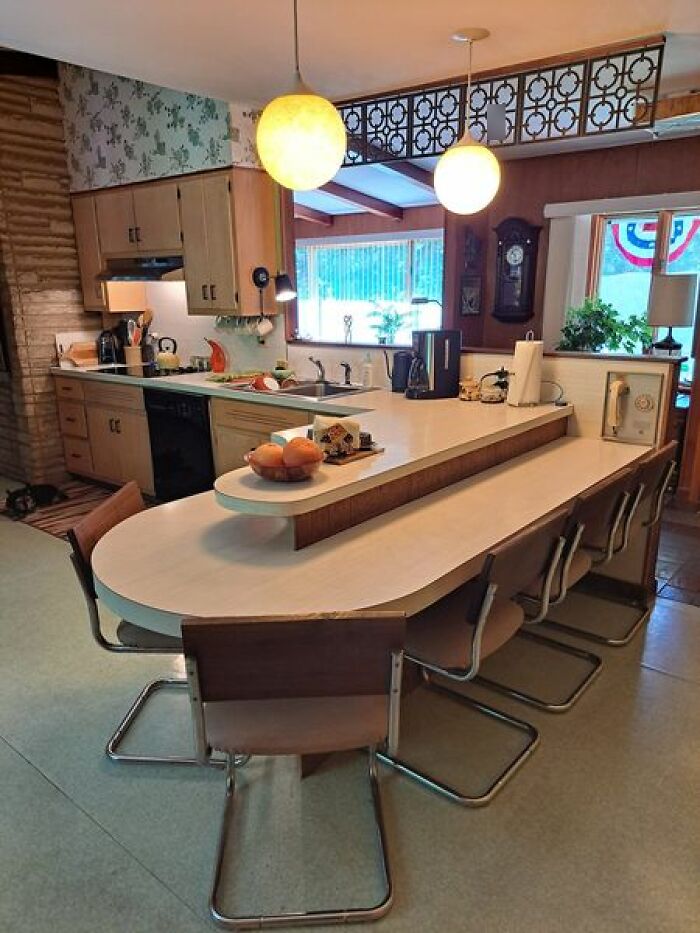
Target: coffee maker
[{"x": 434, "y": 369}]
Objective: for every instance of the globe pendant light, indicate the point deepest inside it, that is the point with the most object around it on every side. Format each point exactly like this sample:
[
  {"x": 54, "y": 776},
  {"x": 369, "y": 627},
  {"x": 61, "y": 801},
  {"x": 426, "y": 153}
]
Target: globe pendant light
[
  {"x": 467, "y": 175},
  {"x": 301, "y": 136}
]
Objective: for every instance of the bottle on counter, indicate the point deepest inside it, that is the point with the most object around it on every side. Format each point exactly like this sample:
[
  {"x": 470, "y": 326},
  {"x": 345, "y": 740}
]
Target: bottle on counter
[{"x": 367, "y": 372}]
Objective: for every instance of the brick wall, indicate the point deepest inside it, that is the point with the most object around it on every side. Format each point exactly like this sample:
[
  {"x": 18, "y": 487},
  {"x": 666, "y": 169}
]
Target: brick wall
[{"x": 39, "y": 282}]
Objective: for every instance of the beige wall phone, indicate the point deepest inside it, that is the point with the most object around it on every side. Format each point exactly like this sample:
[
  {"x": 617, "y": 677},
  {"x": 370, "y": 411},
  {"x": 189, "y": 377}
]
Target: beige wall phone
[{"x": 632, "y": 406}]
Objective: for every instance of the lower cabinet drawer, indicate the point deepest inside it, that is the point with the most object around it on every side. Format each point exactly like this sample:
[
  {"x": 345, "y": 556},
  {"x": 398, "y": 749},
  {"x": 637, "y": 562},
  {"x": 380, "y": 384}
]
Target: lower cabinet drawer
[
  {"x": 78, "y": 456},
  {"x": 71, "y": 417}
]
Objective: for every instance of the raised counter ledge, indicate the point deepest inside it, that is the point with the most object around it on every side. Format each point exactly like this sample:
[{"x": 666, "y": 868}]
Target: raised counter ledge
[{"x": 416, "y": 435}]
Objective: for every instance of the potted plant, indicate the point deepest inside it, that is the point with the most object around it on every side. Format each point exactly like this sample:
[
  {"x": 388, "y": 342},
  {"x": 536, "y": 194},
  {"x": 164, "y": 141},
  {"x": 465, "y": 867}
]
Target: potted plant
[
  {"x": 389, "y": 322},
  {"x": 595, "y": 325}
]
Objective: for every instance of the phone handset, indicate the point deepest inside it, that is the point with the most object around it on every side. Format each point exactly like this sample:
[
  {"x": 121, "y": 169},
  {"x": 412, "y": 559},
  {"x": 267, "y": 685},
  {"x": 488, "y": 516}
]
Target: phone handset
[{"x": 613, "y": 414}]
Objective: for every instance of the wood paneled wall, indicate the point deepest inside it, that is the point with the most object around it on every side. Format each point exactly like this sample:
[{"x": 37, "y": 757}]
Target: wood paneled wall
[
  {"x": 39, "y": 282},
  {"x": 656, "y": 167}
]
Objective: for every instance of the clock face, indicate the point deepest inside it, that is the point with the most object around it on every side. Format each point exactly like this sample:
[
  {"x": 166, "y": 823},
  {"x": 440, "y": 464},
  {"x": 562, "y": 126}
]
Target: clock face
[{"x": 515, "y": 255}]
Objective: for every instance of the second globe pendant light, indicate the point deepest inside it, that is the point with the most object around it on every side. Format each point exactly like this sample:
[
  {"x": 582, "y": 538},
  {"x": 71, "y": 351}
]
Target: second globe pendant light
[
  {"x": 301, "y": 137},
  {"x": 467, "y": 175}
]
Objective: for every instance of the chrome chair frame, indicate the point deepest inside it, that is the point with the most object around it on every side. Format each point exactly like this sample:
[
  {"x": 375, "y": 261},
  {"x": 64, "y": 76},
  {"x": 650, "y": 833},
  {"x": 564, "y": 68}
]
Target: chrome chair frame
[
  {"x": 300, "y": 918},
  {"x": 389, "y": 758},
  {"x": 542, "y": 604},
  {"x": 624, "y": 520},
  {"x": 152, "y": 687}
]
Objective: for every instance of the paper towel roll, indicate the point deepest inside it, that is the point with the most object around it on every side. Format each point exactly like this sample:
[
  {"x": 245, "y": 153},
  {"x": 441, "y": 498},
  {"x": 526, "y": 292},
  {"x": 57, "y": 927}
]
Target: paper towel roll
[{"x": 526, "y": 375}]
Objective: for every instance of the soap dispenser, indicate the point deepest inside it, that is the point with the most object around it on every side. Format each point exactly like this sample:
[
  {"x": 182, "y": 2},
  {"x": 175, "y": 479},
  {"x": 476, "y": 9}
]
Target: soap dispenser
[{"x": 367, "y": 372}]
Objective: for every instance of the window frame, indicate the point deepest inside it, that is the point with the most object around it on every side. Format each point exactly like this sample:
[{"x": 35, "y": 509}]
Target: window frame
[{"x": 364, "y": 239}]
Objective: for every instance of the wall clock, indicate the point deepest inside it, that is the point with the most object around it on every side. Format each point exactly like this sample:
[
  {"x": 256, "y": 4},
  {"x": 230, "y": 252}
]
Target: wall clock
[{"x": 516, "y": 267}]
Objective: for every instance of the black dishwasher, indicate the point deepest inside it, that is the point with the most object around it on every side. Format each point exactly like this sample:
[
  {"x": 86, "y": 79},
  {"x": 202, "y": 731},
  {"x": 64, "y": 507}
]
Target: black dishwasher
[{"x": 178, "y": 425}]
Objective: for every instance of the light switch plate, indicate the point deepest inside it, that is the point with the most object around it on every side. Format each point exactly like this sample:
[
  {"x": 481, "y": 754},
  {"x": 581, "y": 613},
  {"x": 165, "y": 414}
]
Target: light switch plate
[{"x": 639, "y": 407}]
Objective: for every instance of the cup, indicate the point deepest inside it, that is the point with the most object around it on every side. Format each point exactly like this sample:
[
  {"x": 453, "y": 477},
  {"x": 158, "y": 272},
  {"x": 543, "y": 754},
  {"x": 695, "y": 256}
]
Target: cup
[{"x": 264, "y": 327}]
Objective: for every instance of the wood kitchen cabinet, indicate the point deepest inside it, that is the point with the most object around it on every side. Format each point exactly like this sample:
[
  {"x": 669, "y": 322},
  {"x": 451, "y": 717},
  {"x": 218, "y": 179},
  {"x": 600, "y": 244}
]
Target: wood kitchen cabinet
[
  {"x": 239, "y": 427},
  {"x": 120, "y": 446},
  {"x": 139, "y": 220},
  {"x": 89, "y": 252},
  {"x": 227, "y": 230},
  {"x": 105, "y": 431}
]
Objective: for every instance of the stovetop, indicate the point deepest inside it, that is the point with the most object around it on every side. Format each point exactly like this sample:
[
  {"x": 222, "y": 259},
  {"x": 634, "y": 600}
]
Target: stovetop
[{"x": 147, "y": 371}]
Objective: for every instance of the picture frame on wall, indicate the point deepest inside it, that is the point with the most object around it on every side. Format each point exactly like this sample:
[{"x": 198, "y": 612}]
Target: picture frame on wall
[{"x": 470, "y": 295}]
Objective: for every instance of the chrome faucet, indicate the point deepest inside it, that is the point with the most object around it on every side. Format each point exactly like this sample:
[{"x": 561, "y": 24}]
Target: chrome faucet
[
  {"x": 321, "y": 369},
  {"x": 347, "y": 369}
]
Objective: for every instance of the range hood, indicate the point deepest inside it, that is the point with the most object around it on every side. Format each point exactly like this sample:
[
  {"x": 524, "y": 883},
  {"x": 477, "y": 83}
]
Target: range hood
[{"x": 143, "y": 269}]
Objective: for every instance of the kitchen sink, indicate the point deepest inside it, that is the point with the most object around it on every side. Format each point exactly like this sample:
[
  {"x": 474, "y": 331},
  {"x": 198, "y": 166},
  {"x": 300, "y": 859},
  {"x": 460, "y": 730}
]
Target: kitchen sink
[{"x": 322, "y": 389}]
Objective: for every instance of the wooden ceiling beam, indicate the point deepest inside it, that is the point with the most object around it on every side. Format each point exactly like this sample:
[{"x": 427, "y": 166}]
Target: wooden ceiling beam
[
  {"x": 366, "y": 201},
  {"x": 415, "y": 173},
  {"x": 302, "y": 212}
]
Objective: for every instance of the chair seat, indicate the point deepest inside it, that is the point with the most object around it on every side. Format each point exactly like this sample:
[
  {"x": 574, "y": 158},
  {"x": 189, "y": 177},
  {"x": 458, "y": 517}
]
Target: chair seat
[
  {"x": 441, "y": 636},
  {"x": 297, "y": 726},
  {"x": 133, "y": 636}
]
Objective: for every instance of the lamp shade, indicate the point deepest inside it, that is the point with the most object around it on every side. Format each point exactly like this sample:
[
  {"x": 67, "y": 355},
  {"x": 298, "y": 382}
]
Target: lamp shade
[
  {"x": 284, "y": 290},
  {"x": 467, "y": 177},
  {"x": 672, "y": 300},
  {"x": 301, "y": 139}
]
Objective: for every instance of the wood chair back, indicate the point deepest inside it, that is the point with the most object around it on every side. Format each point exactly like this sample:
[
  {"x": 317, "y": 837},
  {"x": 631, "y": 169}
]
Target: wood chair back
[
  {"x": 335, "y": 655},
  {"x": 83, "y": 537}
]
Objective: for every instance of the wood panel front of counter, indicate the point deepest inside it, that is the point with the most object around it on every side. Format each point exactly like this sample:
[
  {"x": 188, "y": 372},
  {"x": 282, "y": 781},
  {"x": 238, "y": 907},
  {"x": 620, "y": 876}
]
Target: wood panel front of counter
[{"x": 322, "y": 523}]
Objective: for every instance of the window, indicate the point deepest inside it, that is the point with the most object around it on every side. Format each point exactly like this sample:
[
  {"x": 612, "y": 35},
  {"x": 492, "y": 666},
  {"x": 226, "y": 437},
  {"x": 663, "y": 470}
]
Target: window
[
  {"x": 627, "y": 259},
  {"x": 359, "y": 290},
  {"x": 684, "y": 256},
  {"x": 632, "y": 247}
]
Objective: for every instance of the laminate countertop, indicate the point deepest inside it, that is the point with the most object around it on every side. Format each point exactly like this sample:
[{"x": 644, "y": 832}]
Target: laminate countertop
[
  {"x": 414, "y": 434},
  {"x": 192, "y": 558}
]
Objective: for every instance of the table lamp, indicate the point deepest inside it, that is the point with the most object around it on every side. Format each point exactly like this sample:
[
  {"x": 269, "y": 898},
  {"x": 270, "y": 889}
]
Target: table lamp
[{"x": 672, "y": 303}]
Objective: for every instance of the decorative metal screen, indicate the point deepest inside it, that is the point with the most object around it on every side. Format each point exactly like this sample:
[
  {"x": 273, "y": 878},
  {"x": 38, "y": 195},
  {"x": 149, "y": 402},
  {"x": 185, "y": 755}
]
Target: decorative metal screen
[{"x": 606, "y": 93}]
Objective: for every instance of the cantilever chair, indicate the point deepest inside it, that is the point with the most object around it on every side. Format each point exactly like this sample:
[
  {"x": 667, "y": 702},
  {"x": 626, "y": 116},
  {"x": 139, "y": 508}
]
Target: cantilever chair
[
  {"x": 295, "y": 686},
  {"x": 451, "y": 637},
  {"x": 606, "y": 519},
  {"x": 132, "y": 639},
  {"x": 601, "y": 515}
]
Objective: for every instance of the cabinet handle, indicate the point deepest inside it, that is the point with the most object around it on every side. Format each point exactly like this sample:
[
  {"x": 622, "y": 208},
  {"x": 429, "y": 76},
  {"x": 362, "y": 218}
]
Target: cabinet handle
[
  {"x": 71, "y": 420},
  {"x": 118, "y": 425},
  {"x": 131, "y": 235},
  {"x": 137, "y": 232},
  {"x": 205, "y": 292},
  {"x": 75, "y": 456},
  {"x": 212, "y": 291},
  {"x": 111, "y": 425}
]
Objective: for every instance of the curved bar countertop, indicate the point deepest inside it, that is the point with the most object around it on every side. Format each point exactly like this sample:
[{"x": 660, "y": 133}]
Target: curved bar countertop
[{"x": 190, "y": 557}]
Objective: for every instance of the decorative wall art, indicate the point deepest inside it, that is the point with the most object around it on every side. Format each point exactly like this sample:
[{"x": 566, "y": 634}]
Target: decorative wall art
[{"x": 119, "y": 130}]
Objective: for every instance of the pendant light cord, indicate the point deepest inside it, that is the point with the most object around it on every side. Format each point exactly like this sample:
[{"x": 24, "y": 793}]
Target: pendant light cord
[
  {"x": 296, "y": 41},
  {"x": 467, "y": 107}
]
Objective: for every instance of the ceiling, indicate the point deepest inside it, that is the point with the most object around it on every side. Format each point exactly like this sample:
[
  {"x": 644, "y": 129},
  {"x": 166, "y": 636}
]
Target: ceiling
[{"x": 242, "y": 49}]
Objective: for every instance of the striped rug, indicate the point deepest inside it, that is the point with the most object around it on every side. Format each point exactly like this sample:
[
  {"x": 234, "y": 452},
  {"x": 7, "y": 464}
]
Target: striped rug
[{"x": 58, "y": 519}]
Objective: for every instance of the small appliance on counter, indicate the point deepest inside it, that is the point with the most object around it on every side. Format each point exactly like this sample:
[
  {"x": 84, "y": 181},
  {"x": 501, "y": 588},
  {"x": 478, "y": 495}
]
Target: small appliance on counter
[
  {"x": 493, "y": 393},
  {"x": 167, "y": 357},
  {"x": 399, "y": 369},
  {"x": 434, "y": 371},
  {"x": 107, "y": 354}
]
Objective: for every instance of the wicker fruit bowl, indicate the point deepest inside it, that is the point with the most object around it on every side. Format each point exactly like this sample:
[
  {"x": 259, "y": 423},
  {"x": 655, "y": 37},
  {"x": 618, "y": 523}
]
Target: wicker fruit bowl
[
  {"x": 295, "y": 461},
  {"x": 283, "y": 474}
]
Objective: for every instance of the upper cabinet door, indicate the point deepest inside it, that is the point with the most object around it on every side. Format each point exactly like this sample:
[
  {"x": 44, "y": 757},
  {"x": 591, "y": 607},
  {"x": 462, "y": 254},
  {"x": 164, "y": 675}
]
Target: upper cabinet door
[
  {"x": 223, "y": 286},
  {"x": 194, "y": 246},
  {"x": 89, "y": 255},
  {"x": 116, "y": 222},
  {"x": 157, "y": 228}
]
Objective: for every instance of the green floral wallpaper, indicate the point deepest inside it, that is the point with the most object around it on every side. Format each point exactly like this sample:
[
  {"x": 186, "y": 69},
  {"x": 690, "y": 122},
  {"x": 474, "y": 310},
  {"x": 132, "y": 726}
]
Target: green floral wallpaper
[{"x": 119, "y": 130}]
